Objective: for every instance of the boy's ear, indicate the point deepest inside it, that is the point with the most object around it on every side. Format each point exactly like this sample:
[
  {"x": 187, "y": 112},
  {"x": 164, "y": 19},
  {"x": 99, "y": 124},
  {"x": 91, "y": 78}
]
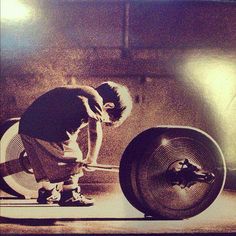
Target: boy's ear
[{"x": 109, "y": 105}]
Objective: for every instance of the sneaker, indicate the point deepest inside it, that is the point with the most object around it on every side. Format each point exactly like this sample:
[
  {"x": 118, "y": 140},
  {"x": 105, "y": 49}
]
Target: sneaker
[
  {"x": 74, "y": 198},
  {"x": 48, "y": 196}
]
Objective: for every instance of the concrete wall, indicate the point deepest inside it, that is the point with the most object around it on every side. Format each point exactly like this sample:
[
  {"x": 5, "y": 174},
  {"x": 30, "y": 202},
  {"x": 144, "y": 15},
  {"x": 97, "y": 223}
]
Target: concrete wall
[{"x": 146, "y": 46}]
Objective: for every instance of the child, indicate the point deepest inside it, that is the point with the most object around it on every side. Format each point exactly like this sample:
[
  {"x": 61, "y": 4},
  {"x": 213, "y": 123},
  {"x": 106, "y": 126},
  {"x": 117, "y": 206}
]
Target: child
[{"x": 49, "y": 129}]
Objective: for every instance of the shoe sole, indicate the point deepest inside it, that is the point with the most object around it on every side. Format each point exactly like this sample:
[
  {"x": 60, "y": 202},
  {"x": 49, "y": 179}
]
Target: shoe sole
[{"x": 75, "y": 204}]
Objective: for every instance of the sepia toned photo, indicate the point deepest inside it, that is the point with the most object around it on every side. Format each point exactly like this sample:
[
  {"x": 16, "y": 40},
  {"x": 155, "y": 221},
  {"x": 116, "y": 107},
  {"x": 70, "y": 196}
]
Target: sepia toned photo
[{"x": 118, "y": 117}]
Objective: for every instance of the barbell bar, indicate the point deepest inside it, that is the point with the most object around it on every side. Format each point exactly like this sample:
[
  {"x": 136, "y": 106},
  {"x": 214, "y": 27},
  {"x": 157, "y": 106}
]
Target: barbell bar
[{"x": 101, "y": 167}]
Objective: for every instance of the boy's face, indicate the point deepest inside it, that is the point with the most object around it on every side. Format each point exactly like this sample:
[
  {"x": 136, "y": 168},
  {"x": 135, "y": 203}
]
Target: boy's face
[
  {"x": 111, "y": 122},
  {"x": 107, "y": 118}
]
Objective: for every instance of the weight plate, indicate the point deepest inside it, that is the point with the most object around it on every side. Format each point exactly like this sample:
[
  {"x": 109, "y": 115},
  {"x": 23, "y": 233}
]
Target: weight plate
[
  {"x": 129, "y": 168},
  {"x": 22, "y": 183},
  {"x": 164, "y": 149}
]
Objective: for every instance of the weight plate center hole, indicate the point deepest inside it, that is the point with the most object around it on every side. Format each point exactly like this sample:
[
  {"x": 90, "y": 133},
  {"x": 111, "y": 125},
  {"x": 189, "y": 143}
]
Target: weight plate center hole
[{"x": 185, "y": 174}]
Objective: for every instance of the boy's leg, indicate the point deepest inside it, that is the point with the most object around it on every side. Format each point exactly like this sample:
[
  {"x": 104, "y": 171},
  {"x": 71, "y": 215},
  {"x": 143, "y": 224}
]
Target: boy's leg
[
  {"x": 47, "y": 185},
  {"x": 71, "y": 193},
  {"x": 34, "y": 159},
  {"x": 48, "y": 192},
  {"x": 45, "y": 158},
  {"x": 71, "y": 183}
]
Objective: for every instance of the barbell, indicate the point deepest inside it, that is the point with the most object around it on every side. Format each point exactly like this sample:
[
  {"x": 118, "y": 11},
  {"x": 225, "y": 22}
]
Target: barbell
[{"x": 166, "y": 172}]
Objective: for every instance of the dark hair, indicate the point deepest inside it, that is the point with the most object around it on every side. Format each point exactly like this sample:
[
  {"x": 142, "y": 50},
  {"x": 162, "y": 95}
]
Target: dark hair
[{"x": 120, "y": 96}]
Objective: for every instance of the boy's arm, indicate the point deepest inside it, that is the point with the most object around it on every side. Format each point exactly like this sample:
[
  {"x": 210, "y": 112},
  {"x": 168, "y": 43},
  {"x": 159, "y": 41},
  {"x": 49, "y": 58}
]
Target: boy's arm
[{"x": 94, "y": 140}]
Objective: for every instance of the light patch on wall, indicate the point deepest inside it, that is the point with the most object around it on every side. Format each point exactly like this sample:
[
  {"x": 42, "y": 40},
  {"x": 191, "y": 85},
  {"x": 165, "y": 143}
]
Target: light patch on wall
[
  {"x": 230, "y": 138},
  {"x": 14, "y": 10},
  {"x": 214, "y": 76}
]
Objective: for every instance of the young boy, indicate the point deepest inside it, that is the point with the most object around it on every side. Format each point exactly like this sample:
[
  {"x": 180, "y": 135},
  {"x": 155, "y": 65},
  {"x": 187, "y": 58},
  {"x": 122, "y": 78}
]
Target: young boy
[{"x": 49, "y": 129}]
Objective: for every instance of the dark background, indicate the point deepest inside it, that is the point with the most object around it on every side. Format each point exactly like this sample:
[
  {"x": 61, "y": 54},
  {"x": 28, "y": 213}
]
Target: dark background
[{"x": 161, "y": 50}]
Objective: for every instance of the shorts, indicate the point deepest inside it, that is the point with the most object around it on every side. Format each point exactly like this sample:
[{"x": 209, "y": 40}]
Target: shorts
[{"x": 53, "y": 161}]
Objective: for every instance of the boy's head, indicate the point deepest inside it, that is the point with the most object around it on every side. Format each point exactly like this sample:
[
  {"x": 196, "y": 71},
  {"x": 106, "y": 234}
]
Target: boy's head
[{"x": 117, "y": 102}]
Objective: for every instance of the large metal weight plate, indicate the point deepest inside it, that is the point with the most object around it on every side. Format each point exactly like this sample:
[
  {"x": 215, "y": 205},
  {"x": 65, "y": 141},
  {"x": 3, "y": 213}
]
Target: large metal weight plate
[
  {"x": 153, "y": 154},
  {"x": 129, "y": 165},
  {"x": 22, "y": 183}
]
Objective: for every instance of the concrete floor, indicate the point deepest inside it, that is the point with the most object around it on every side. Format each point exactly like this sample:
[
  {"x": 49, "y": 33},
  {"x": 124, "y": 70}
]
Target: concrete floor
[{"x": 112, "y": 214}]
